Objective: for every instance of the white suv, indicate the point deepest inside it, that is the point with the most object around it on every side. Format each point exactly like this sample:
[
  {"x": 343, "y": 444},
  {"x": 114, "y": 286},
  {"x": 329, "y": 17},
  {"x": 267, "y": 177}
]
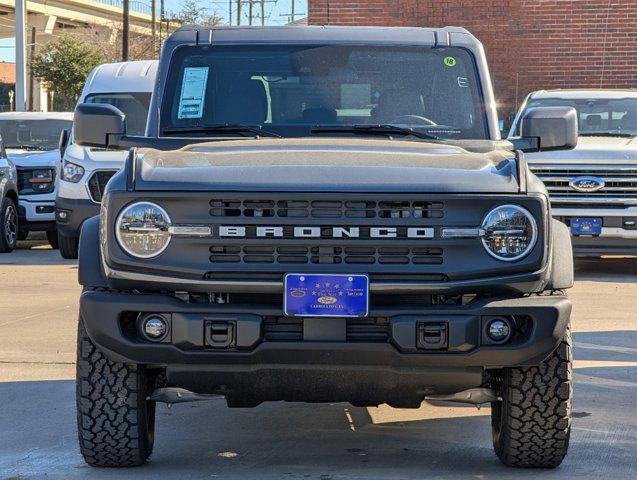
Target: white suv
[{"x": 86, "y": 171}]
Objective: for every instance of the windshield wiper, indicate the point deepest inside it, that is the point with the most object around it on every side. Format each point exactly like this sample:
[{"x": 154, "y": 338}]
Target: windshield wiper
[
  {"x": 606, "y": 134},
  {"x": 28, "y": 147},
  {"x": 380, "y": 129},
  {"x": 255, "y": 130}
]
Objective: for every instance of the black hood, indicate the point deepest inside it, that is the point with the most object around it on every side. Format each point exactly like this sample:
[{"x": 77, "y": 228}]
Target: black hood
[{"x": 349, "y": 165}]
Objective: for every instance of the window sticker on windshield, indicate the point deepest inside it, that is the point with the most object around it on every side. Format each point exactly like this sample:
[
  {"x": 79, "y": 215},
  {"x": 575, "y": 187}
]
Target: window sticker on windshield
[{"x": 193, "y": 91}]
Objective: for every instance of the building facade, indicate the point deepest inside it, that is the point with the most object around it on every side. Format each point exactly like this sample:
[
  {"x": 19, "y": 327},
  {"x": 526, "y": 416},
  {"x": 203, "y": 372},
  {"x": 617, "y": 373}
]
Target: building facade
[{"x": 530, "y": 44}]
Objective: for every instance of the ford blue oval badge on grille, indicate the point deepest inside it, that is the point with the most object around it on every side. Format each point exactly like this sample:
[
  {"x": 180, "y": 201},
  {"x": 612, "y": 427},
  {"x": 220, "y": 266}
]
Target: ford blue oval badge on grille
[{"x": 587, "y": 184}]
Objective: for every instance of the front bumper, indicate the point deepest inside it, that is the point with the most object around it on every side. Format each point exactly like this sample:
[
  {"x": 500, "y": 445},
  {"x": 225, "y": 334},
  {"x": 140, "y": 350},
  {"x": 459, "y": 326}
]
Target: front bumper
[
  {"x": 256, "y": 368},
  {"x": 619, "y": 231},
  {"x": 71, "y": 213},
  {"x": 37, "y": 215}
]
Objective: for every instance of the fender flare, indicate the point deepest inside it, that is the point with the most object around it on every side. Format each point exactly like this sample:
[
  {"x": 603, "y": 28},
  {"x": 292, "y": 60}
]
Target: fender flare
[
  {"x": 562, "y": 273},
  {"x": 90, "y": 271}
]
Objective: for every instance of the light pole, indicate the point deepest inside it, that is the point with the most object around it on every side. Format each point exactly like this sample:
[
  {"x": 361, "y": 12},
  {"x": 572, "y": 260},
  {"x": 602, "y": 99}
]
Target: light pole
[
  {"x": 20, "y": 55},
  {"x": 125, "y": 27}
]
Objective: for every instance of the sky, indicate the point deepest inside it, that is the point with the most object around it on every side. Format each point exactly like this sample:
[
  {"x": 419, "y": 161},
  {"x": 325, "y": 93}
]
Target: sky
[{"x": 276, "y": 14}]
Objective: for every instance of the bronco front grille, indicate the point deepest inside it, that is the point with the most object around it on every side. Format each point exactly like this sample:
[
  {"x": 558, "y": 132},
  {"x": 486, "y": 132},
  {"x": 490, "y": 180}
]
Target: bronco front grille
[
  {"x": 97, "y": 184},
  {"x": 291, "y": 254},
  {"x": 329, "y": 209},
  {"x": 620, "y": 183}
]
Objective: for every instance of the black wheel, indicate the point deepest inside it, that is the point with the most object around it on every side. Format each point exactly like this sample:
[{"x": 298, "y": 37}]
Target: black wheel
[
  {"x": 68, "y": 246},
  {"x": 52, "y": 238},
  {"x": 8, "y": 225},
  {"x": 115, "y": 422},
  {"x": 532, "y": 423}
]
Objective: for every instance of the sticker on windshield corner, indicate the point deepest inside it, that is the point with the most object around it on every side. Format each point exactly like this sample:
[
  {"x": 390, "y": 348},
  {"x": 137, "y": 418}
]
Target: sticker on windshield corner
[
  {"x": 193, "y": 91},
  {"x": 450, "y": 61}
]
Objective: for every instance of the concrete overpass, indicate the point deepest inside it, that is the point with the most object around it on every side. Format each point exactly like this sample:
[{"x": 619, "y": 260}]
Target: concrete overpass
[
  {"x": 48, "y": 18},
  {"x": 53, "y": 16}
]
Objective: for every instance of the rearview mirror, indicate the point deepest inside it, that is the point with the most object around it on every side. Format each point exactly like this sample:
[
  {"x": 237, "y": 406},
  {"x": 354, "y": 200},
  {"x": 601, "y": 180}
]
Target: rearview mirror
[
  {"x": 547, "y": 128},
  {"x": 98, "y": 125},
  {"x": 64, "y": 141}
]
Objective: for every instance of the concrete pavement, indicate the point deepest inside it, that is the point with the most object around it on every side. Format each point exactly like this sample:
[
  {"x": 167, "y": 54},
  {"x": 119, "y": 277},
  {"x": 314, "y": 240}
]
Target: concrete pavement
[{"x": 38, "y": 317}]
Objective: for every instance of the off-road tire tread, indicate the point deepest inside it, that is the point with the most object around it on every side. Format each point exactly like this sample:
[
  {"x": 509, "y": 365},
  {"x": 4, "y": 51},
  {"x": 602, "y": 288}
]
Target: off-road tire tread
[
  {"x": 111, "y": 408},
  {"x": 535, "y": 417},
  {"x": 68, "y": 246}
]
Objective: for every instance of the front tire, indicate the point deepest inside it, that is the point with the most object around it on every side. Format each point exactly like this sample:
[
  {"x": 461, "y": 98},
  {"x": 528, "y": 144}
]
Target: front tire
[
  {"x": 52, "y": 238},
  {"x": 8, "y": 225},
  {"x": 115, "y": 422},
  {"x": 532, "y": 424},
  {"x": 69, "y": 246}
]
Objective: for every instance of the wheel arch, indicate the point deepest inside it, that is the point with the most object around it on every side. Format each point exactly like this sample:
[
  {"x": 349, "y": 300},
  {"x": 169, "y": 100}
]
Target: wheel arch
[
  {"x": 562, "y": 273},
  {"x": 90, "y": 271}
]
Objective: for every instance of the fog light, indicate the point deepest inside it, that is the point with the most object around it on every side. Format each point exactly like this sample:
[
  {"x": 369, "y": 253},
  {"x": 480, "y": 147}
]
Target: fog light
[
  {"x": 155, "y": 327},
  {"x": 498, "y": 330}
]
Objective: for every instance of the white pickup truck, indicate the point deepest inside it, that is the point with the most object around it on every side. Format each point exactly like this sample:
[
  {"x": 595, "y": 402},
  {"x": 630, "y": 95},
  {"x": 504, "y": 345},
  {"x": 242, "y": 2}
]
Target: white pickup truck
[
  {"x": 593, "y": 188},
  {"x": 32, "y": 143}
]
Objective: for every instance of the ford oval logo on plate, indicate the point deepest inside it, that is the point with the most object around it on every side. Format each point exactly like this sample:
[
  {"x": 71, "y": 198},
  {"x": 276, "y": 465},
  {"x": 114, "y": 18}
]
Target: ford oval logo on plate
[{"x": 587, "y": 184}]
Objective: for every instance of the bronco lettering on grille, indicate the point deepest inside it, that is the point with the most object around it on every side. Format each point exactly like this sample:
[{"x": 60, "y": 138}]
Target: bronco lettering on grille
[{"x": 241, "y": 231}]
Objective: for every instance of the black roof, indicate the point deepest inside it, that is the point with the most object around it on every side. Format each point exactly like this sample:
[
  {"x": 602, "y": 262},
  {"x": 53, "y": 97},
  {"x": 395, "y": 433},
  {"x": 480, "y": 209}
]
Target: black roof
[{"x": 324, "y": 34}]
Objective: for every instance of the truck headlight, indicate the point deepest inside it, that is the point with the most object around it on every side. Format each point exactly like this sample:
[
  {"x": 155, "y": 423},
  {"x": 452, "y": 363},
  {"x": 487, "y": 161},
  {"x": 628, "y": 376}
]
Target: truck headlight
[
  {"x": 142, "y": 229},
  {"x": 71, "y": 172},
  {"x": 510, "y": 232}
]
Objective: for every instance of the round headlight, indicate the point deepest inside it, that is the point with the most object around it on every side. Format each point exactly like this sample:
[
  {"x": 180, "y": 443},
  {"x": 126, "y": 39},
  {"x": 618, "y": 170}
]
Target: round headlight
[
  {"x": 142, "y": 229},
  {"x": 510, "y": 232}
]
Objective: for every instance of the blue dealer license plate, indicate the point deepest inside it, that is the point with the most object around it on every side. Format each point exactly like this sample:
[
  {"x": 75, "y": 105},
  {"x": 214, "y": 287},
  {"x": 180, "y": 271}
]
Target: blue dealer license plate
[
  {"x": 586, "y": 226},
  {"x": 326, "y": 295}
]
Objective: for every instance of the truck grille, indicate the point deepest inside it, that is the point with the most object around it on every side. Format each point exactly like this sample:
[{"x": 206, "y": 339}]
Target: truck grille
[
  {"x": 291, "y": 255},
  {"x": 97, "y": 184},
  {"x": 620, "y": 183},
  {"x": 325, "y": 209}
]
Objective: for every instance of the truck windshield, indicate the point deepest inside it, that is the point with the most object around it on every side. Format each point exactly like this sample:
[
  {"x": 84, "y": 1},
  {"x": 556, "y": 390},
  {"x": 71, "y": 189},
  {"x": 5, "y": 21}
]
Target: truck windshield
[
  {"x": 289, "y": 90},
  {"x": 33, "y": 134},
  {"x": 596, "y": 116},
  {"x": 134, "y": 105}
]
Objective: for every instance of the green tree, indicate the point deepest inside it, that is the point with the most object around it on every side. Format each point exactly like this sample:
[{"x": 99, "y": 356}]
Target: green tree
[
  {"x": 193, "y": 13},
  {"x": 63, "y": 65}
]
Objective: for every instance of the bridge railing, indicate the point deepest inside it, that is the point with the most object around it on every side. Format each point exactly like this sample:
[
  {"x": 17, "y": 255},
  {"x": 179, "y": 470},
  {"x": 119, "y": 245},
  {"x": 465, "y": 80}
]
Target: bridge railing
[{"x": 134, "y": 5}]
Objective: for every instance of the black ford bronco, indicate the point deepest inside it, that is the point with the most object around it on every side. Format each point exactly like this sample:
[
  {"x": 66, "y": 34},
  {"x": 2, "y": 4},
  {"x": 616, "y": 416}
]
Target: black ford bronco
[{"x": 324, "y": 214}]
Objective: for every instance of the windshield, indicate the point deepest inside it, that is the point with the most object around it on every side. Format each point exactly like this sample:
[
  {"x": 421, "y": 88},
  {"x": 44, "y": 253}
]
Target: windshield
[
  {"x": 33, "y": 134},
  {"x": 134, "y": 105},
  {"x": 598, "y": 116},
  {"x": 289, "y": 89}
]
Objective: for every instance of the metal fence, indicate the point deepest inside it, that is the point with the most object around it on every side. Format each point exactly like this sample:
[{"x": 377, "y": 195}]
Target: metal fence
[{"x": 135, "y": 6}]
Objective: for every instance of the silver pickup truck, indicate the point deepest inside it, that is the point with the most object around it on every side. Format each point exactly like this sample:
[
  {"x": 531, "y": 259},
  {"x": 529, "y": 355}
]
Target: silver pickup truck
[{"x": 593, "y": 188}]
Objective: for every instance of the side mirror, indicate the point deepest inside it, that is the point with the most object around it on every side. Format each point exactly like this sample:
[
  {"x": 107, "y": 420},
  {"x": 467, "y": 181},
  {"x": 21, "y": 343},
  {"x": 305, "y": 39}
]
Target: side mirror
[
  {"x": 98, "y": 125},
  {"x": 64, "y": 141},
  {"x": 547, "y": 128}
]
